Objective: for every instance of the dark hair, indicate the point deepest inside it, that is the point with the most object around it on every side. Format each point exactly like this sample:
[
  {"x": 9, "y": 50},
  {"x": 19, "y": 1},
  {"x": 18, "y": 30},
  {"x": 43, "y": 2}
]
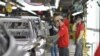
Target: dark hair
[{"x": 79, "y": 16}]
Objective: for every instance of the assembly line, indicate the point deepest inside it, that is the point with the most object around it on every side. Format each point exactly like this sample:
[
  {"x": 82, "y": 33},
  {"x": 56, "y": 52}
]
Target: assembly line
[{"x": 49, "y": 27}]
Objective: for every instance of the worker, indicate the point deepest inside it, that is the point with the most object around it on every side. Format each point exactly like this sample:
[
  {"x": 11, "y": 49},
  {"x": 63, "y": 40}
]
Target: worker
[
  {"x": 79, "y": 34},
  {"x": 63, "y": 39},
  {"x": 97, "y": 53},
  {"x": 53, "y": 45}
]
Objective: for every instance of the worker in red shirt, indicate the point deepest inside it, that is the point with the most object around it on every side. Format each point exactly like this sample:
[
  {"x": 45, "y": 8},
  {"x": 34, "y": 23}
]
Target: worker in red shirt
[
  {"x": 67, "y": 22},
  {"x": 63, "y": 39},
  {"x": 79, "y": 34},
  {"x": 97, "y": 53}
]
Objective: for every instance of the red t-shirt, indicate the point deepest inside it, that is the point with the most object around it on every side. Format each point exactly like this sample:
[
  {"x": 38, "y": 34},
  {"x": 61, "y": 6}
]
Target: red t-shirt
[
  {"x": 78, "y": 29},
  {"x": 67, "y": 23},
  {"x": 97, "y": 53},
  {"x": 63, "y": 40}
]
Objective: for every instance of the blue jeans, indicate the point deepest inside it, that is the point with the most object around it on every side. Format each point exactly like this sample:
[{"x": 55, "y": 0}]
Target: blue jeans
[{"x": 54, "y": 50}]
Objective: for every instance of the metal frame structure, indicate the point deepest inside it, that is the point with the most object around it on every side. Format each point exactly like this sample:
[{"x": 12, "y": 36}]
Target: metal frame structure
[{"x": 33, "y": 40}]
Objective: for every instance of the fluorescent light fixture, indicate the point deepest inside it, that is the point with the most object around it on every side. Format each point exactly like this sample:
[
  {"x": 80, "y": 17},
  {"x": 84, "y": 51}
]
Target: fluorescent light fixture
[
  {"x": 14, "y": 7},
  {"x": 43, "y": 21},
  {"x": 2, "y": 3},
  {"x": 76, "y": 13},
  {"x": 2, "y": 14},
  {"x": 35, "y": 8}
]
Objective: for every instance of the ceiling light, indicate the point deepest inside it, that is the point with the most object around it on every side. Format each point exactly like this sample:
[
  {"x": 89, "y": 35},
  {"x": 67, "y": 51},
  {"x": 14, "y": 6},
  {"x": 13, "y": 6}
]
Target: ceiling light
[
  {"x": 2, "y": 3},
  {"x": 14, "y": 7},
  {"x": 76, "y": 13},
  {"x": 2, "y": 14}
]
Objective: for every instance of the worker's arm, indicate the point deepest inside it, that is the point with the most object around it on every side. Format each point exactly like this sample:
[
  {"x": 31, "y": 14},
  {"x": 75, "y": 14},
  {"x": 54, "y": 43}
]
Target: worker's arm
[
  {"x": 74, "y": 27},
  {"x": 55, "y": 28},
  {"x": 80, "y": 36}
]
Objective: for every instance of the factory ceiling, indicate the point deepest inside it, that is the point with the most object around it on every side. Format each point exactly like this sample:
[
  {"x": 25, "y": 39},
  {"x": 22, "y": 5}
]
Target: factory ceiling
[{"x": 65, "y": 4}]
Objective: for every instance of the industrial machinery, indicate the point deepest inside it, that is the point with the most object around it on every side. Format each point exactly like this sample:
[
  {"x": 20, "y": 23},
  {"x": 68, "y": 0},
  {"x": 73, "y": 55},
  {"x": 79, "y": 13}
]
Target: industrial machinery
[{"x": 29, "y": 32}]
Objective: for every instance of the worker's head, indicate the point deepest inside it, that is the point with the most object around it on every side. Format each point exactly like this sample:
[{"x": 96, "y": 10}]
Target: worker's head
[
  {"x": 58, "y": 20},
  {"x": 79, "y": 19}
]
